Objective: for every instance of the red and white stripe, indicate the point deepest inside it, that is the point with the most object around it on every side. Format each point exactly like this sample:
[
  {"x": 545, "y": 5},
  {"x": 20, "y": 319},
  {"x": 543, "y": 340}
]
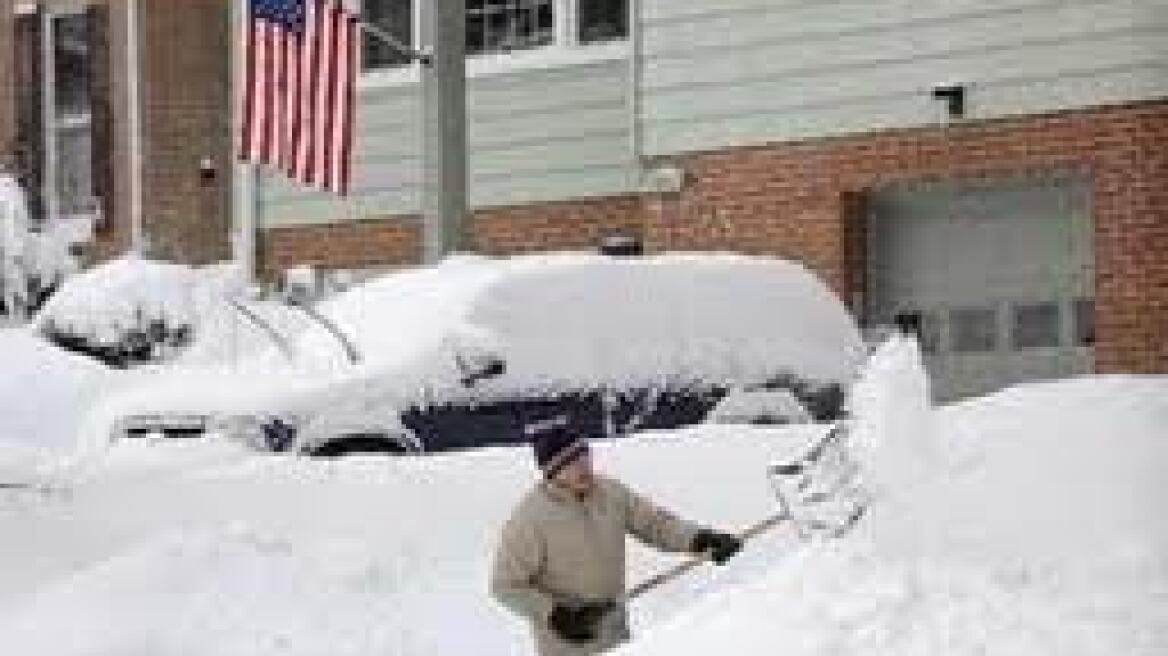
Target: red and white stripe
[{"x": 298, "y": 103}]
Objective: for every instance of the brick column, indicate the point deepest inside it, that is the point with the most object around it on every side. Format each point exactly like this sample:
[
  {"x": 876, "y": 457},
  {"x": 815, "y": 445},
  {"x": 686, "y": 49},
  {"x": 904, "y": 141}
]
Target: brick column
[
  {"x": 1131, "y": 243},
  {"x": 186, "y": 96}
]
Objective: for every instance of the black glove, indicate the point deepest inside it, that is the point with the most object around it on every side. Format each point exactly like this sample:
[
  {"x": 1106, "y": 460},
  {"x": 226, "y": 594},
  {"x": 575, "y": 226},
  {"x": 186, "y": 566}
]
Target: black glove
[
  {"x": 720, "y": 546},
  {"x": 576, "y": 623}
]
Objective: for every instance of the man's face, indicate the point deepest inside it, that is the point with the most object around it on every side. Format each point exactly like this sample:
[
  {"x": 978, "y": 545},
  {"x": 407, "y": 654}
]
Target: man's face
[{"x": 577, "y": 476}]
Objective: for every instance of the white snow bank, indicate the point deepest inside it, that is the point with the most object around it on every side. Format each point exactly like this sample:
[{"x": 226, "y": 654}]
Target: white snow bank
[
  {"x": 892, "y": 432},
  {"x": 45, "y": 395},
  {"x": 1034, "y": 529},
  {"x": 246, "y": 555}
]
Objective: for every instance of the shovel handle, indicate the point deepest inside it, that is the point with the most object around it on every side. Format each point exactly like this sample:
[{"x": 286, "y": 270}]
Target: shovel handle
[{"x": 677, "y": 570}]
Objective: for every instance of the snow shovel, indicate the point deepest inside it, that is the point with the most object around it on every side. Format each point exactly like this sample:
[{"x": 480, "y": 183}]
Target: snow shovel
[{"x": 819, "y": 492}]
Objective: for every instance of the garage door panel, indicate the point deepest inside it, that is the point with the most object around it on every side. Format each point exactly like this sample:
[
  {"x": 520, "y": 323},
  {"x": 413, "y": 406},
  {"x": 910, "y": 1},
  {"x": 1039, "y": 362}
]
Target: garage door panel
[{"x": 997, "y": 275}]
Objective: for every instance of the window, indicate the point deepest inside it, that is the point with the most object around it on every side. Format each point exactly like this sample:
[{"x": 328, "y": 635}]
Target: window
[
  {"x": 973, "y": 330},
  {"x": 507, "y": 25},
  {"x": 72, "y": 136},
  {"x": 396, "y": 17},
  {"x": 501, "y": 26},
  {"x": 1036, "y": 325},
  {"x": 59, "y": 85},
  {"x": 603, "y": 20}
]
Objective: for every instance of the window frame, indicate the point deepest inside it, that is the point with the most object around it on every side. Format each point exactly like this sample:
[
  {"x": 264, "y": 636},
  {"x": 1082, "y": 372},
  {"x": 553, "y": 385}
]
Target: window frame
[{"x": 564, "y": 51}]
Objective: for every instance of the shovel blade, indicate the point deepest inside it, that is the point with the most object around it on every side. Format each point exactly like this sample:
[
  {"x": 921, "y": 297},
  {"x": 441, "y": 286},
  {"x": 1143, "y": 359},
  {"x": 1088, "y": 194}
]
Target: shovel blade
[{"x": 822, "y": 489}]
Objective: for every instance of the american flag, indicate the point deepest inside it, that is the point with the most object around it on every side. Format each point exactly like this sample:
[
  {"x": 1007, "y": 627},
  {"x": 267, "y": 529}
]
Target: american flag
[{"x": 299, "y": 77}]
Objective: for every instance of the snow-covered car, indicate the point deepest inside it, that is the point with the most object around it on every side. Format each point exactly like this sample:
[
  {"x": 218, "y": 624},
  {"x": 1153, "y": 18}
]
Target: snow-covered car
[{"x": 465, "y": 353}]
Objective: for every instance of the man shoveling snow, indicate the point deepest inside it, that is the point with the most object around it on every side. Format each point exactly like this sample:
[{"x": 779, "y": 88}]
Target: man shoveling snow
[{"x": 561, "y": 557}]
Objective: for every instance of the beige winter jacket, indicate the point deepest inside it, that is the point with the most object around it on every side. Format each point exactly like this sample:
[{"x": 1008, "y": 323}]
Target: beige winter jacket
[{"x": 556, "y": 547}]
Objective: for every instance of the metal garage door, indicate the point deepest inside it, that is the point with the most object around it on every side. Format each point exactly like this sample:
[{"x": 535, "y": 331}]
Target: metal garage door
[{"x": 996, "y": 276}]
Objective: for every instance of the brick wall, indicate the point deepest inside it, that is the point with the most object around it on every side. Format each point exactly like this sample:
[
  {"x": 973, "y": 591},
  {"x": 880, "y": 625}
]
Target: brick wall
[
  {"x": 579, "y": 224},
  {"x": 576, "y": 224},
  {"x": 805, "y": 201},
  {"x": 7, "y": 88},
  {"x": 349, "y": 245},
  {"x": 186, "y": 91},
  {"x": 794, "y": 200}
]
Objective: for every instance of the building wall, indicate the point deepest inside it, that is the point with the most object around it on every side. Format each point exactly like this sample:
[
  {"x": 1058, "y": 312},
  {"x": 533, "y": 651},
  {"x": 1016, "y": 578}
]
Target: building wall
[
  {"x": 186, "y": 116},
  {"x": 393, "y": 241},
  {"x": 743, "y": 72},
  {"x": 534, "y": 135},
  {"x": 113, "y": 237},
  {"x": 805, "y": 201}
]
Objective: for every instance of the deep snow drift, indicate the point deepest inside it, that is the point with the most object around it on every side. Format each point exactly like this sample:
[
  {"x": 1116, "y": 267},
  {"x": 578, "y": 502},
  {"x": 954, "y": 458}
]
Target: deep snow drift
[
  {"x": 44, "y": 396},
  {"x": 201, "y": 549},
  {"x": 1028, "y": 522},
  {"x": 1033, "y": 529}
]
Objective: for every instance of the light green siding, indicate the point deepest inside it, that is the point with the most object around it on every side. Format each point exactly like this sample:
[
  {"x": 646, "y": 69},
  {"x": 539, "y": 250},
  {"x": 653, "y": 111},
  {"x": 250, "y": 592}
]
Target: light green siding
[
  {"x": 543, "y": 134},
  {"x": 743, "y": 71},
  {"x": 739, "y": 72}
]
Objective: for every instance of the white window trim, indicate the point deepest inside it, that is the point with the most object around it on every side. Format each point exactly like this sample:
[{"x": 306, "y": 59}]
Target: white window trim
[{"x": 565, "y": 52}]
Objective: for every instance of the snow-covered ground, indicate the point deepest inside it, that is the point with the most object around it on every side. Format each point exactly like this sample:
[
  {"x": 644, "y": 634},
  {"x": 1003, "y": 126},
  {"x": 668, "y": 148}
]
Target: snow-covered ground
[
  {"x": 45, "y": 394},
  {"x": 203, "y": 549},
  {"x": 1029, "y": 522},
  {"x": 1026, "y": 522}
]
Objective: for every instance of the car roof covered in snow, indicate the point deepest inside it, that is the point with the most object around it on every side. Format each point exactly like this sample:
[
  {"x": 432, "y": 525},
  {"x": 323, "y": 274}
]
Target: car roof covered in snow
[{"x": 583, "y": 320}]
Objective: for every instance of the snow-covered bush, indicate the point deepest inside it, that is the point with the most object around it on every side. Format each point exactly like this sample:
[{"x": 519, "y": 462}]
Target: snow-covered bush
[{"x": 34, "y": 259}]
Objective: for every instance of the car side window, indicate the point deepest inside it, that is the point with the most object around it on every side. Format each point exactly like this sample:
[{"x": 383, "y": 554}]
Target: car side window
[{"x": 468, "y": 425}]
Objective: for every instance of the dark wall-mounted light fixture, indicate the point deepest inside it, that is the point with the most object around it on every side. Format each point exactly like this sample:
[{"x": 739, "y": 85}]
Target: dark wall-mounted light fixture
[
  {"x": 207, "y": 171},
  {"x": 954, "y": 97}
]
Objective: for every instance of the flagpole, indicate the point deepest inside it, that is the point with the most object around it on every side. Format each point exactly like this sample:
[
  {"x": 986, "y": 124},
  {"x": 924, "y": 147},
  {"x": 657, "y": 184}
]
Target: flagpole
[
  {"x": 243, "y": 179},
  {"x": 444, "y": 142}
]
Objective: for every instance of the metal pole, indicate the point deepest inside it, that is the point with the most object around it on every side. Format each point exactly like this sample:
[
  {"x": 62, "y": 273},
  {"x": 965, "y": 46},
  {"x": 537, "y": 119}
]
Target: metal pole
[
  {"x": 444, "y": 148},
  {"x": 243, "y": 178},
  {"x": 444, "y": 151}
]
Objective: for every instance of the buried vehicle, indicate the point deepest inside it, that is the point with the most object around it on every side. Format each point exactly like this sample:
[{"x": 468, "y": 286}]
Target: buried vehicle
[{"x": 465, "y": 353}]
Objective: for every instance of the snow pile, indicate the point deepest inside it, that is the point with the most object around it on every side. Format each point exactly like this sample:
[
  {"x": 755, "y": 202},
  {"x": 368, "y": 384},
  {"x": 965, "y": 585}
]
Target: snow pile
[
  {"x": 1037, "y": 531},
  {"x": 198, "y": 550},
  {"x": 130, "y": 302},
  {"x": 892, "y": 432},
  {"x": 44, "y": 397}
]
